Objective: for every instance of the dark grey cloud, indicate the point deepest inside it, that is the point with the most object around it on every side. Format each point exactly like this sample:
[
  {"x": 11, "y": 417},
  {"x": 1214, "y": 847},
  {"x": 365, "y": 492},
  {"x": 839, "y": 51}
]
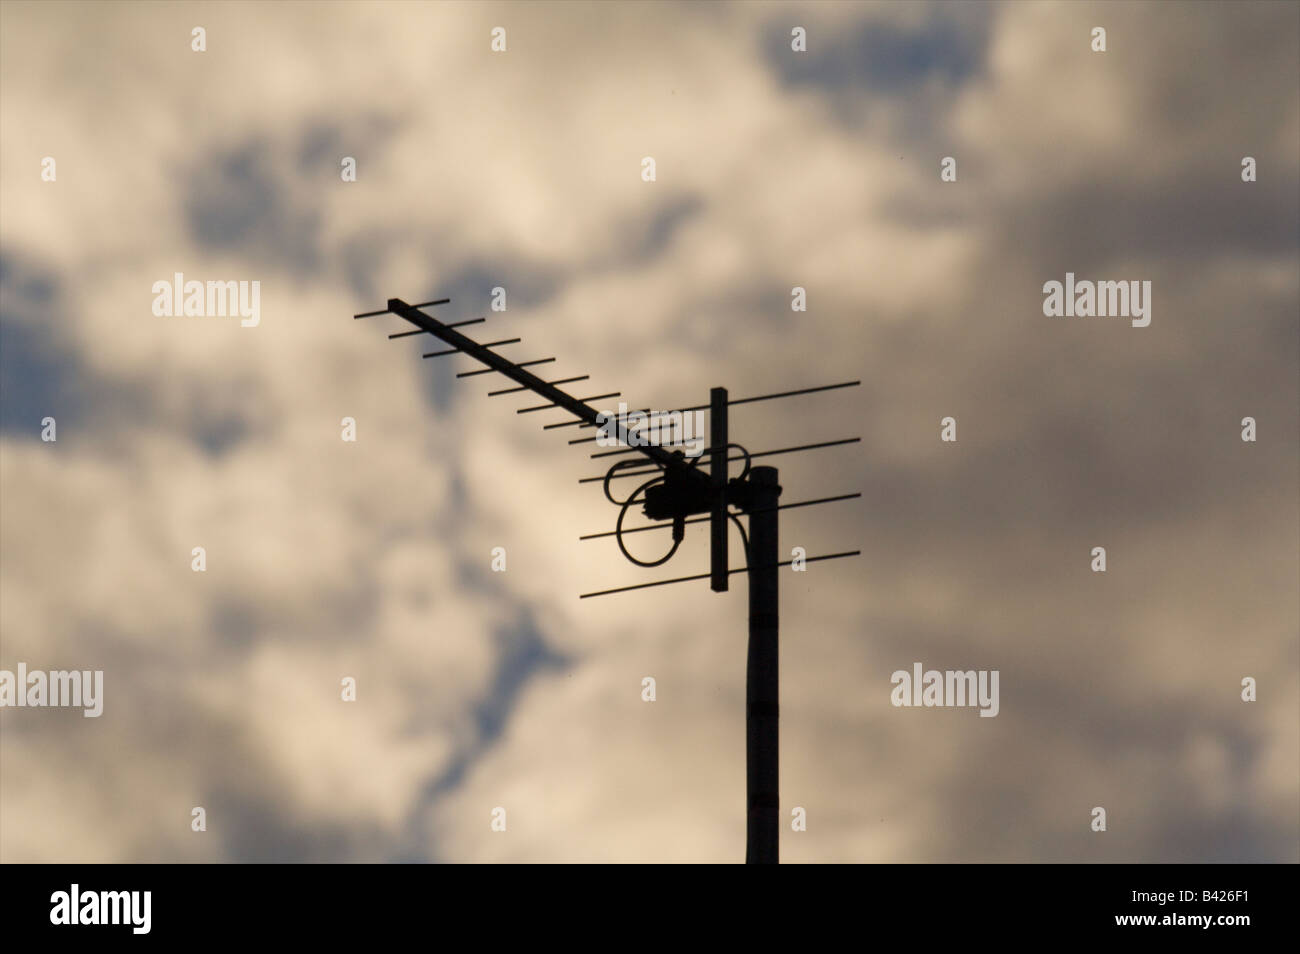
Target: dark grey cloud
[
  {"x": 874, "y": 56},
  {"x": 523, "y": 655},
  {"x": 238, "y": 199},
  {"x": 40, "y": 371}
]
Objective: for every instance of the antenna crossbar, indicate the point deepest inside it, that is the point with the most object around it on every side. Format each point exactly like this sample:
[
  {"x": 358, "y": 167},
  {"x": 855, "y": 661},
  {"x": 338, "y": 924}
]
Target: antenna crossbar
[{"x": 582, "y": 411}]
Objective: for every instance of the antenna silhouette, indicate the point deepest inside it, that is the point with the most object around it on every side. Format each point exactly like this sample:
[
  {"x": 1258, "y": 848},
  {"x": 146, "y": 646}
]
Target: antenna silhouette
[{"x": 677, "y": 493}]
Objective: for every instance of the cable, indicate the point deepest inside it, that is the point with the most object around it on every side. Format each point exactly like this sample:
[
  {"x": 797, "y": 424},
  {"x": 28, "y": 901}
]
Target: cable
[
  {"x": 618, "y": 528},
  {"x": 626, "y": 504},
  {"x": 747, "y": 457},
  {"x": 768, "y": 453},
  {"x": 744, "y": 538},
  {"x": 609, "y": 475}
]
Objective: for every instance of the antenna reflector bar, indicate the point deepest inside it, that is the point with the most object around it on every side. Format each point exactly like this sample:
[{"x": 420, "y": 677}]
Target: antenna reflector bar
[
  {"x": 581, "y": 377},
  {"x": 786, "y": 394},
  {"x": 768, "y": 453},
  {"x": 705, "y": 576},
  {"x": 519, "y": 364},
  {"x": 388, "y": 311},
  {"x": 666, "y": 525},
  {"x": 708, "y": 407},
  {"x": 421, "y": 331},
  {"x": 543, "y": 407},
  {"x": 486, "y": 344}
]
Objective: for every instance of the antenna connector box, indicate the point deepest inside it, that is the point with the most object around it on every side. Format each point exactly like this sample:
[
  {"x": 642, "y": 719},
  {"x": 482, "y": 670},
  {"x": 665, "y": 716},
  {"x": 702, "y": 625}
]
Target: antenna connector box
[{"x": 683, "y": 492}]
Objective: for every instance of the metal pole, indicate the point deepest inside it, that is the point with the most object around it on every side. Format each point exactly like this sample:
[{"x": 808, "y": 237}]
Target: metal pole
[
  {"x": 719, "y": 562},
  {"x": 761, "y": 716}
]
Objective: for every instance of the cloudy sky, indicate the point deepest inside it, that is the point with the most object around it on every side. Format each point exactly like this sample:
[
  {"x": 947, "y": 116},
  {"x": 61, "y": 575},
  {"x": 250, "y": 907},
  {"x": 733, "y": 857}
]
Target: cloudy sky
[{"x": 522, "y": 169}]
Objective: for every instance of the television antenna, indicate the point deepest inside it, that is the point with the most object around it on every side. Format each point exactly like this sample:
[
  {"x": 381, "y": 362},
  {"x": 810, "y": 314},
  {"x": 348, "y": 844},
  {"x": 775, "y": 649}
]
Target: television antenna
[{"x": 678, "y": 493}]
